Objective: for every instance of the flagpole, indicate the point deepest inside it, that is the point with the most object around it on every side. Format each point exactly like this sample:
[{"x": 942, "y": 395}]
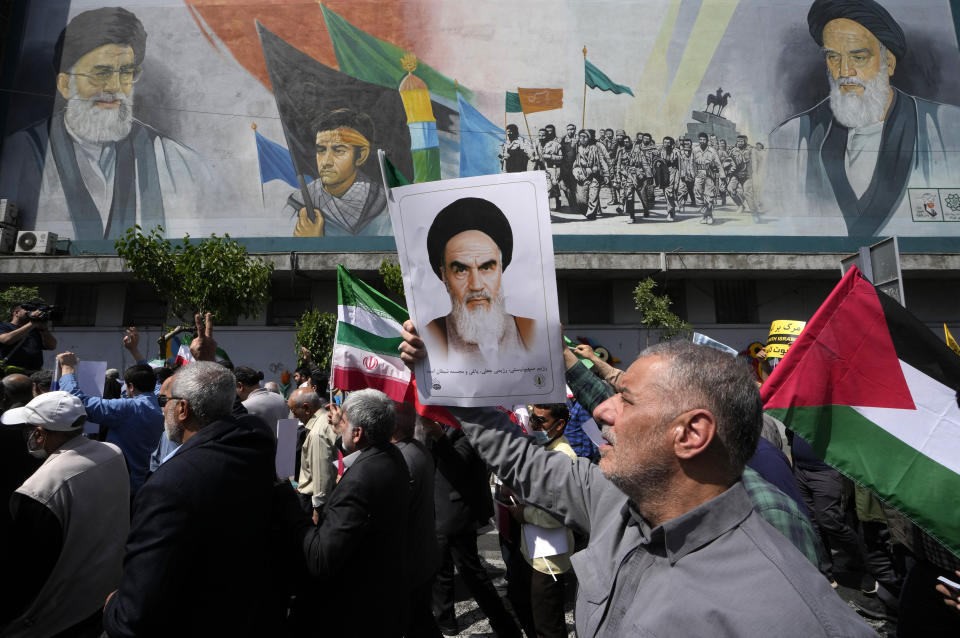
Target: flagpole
[
  {"x": 526, "y": 123},
  {"x": 253, "y": 125},
  {"x": 583, "y": 118}
]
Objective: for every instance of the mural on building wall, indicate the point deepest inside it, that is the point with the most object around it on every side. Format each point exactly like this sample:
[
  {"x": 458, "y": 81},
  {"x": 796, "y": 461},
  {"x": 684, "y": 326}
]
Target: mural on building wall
[{"x": 658, "y": 117}]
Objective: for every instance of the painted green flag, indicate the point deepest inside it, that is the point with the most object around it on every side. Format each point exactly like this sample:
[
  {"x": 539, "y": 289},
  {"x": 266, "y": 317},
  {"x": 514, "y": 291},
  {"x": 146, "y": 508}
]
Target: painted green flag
[
  {"x": 513, "y": 103},
  {"x": 597, "y": 79},
  {"x": 373, "y": 60}
]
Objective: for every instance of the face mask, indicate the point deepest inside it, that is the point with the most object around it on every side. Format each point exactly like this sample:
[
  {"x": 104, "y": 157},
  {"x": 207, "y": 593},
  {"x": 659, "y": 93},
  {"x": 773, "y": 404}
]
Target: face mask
[
  {"x": 37, "y": 453},
  {"x": 540, "y": 437}
]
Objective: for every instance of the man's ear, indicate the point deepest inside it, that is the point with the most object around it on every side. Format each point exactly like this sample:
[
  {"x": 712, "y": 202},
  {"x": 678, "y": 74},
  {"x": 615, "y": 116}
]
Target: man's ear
[
  {"x": 362, "y": 156},
  {"x": 891, "y": 62},
  {"x": 183, "y": 413},
  {"x": 63, "y": 85},
  {"x": 693, "y": 433}
]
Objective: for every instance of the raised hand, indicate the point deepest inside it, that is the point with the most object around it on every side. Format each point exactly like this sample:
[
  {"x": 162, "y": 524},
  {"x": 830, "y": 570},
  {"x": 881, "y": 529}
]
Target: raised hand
[{"x": 204, "y": 346}]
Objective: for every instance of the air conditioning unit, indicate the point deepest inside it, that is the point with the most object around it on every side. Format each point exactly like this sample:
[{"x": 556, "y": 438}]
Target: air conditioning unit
[
  {"x": 36, "y": 242},
  {"x": 8, "y": 239},
  {"x": 9, "y": 214}
]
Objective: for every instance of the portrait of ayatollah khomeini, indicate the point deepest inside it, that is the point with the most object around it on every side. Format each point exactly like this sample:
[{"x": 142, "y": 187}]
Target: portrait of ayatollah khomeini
[
  {"x": 855, "y": 153},
  {"x": 470, "y": 244}
]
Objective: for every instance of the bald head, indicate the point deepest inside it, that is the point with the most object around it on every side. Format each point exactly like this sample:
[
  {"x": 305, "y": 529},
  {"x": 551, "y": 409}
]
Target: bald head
[
  {"x": 17, "y": 388},
  {"x": 304, "y": 403}
]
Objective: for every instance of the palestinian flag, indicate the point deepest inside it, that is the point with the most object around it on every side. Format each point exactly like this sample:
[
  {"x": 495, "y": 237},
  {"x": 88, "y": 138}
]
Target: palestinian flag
[
  {"x": 366, "y": 348},
  {"x": 874, "y": 391}
]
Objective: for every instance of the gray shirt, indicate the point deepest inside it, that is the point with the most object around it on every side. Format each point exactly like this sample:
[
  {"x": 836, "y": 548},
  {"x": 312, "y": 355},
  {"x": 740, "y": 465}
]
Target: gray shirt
[
  {"x": 717, "y": 570},
  {"x": 267, "y": 405}
]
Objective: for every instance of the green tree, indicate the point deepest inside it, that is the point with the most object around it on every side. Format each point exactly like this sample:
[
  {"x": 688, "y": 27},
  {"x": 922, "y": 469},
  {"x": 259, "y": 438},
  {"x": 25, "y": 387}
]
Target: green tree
[
  {"x": 655, "y": 311},
  {"x": 393, "y": 278},
  {"x": 213, "y": 275},
  {"x": 14, "y": 295},
  {"x": 315, "y": 332}
]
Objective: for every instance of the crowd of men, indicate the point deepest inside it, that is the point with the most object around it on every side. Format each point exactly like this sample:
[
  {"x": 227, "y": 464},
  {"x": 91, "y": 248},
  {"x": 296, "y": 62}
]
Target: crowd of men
[
  {"x": 638, "y": 172},
  {"x": 697, "y": 515}
]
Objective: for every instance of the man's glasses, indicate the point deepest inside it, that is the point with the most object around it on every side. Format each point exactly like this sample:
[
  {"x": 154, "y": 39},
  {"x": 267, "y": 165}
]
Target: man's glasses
[
  {"x": 102, "y": 75},
  {"x": 162, "y": 399}
]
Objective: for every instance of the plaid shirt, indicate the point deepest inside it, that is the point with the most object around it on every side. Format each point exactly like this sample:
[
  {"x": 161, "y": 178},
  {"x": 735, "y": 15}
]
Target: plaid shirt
[
  {"x": 774, "y": 506},
  {"x": 783, "y": 513},
  {"x": 578, "y": 439}
]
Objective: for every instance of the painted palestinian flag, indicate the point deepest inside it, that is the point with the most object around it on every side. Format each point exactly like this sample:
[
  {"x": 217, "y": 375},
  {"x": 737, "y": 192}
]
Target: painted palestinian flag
[{"x": 874, "y": 391}]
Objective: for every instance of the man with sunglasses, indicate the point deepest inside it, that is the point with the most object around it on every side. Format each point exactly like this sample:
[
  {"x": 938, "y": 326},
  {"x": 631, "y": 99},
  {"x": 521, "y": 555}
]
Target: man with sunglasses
[
  {"x": 105, "y": 169},
  {"x": 203, "y": 522}
]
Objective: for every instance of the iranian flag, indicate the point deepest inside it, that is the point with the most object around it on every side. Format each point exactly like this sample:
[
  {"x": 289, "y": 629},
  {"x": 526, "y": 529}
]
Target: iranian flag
[
  {"x": 366, "y": 349},
  {"x": 183, "y": 356},
  {"x": 874, "y": 391}
]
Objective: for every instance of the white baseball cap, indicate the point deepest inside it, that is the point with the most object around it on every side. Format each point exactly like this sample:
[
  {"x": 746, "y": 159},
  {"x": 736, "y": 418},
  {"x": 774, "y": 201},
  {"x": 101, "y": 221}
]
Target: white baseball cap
[{"x": 58, "y": 411}]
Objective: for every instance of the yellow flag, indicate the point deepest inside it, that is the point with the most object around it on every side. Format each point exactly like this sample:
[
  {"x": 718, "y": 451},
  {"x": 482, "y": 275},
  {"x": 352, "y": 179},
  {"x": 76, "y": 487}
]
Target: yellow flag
[
  {"x": 535, "y": 100},
  {"x": 950, "y": 340}
]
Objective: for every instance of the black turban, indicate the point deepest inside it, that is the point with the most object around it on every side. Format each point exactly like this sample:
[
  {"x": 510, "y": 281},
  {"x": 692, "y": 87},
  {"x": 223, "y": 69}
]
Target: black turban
[
  {"x": 867, "y": 13},
  {"x": 92, "y": 29},
  {"x": 468, "y": 213}
]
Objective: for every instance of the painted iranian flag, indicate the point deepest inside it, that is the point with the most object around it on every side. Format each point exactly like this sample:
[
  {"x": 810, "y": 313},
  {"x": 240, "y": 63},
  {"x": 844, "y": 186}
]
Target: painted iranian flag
[
  {"x": 874, "y": 391},
  {"x": 366, "y": 347}
]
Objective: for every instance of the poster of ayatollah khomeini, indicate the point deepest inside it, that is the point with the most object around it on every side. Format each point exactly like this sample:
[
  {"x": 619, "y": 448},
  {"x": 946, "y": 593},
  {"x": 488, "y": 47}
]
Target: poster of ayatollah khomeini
[{"x": 478, "y": 272}]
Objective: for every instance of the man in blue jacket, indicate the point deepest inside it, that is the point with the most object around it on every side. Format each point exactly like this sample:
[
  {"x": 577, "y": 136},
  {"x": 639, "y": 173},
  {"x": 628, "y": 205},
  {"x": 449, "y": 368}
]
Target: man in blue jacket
[{"x": 134, "y": 424}]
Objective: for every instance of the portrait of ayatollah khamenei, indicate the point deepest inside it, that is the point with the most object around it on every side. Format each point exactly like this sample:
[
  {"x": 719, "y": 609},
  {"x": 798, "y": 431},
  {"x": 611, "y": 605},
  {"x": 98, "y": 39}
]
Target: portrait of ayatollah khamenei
[{"x": 478, "y": 270}]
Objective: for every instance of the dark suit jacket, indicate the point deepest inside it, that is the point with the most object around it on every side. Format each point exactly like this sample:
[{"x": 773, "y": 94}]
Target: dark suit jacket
[
  {"x": 357, "y": 552},
  {"x": 423, "y": 552},
  {"x": 462, "y": 493},
  {"x": 199, "y": 552}
]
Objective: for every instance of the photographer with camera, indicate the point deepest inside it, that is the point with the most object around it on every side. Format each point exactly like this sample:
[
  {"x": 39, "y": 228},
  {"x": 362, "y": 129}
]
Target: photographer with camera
[{"x": 24, "y": 337}]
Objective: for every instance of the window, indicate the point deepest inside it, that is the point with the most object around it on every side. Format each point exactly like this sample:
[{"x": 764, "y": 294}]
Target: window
[
  {"x": 589, "y": 301},
  {"x": 142, "y": 306},
  {"x": 288, "y": 300},
  {"x": 79, "y": 303},
  {"x": 735, "y": 301}
]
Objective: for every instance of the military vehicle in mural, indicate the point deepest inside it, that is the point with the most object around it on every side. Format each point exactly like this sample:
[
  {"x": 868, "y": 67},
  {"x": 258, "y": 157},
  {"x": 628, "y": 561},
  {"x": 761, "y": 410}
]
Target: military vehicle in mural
[{"x": 833, "y": 119}]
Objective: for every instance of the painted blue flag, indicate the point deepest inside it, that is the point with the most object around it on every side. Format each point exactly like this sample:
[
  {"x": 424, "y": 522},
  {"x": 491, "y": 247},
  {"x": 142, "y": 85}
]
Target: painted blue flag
[
  {"x": 275, "y": 162},
  {"x": 480, "y": 141}
]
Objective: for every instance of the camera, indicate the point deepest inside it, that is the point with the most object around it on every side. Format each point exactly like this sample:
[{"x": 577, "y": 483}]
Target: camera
[{"x": 47, "y": 313}]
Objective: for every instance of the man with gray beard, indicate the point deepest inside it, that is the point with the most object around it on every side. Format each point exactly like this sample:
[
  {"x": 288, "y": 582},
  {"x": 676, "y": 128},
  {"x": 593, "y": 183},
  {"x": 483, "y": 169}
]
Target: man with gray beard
[
  {"x": 105, "y": 170},
  {"x": 470, "y": 244},
  {"x": 855, "y": 153}
]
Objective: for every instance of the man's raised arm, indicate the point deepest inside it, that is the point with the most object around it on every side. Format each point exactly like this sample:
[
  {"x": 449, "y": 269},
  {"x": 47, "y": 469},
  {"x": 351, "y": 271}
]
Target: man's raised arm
[{"x": 571, "y": 490}]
